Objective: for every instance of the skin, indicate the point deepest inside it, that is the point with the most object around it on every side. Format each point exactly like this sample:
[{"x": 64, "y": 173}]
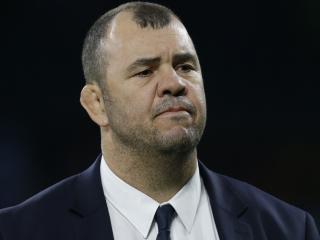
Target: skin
[{"x": 151, "y": 116}]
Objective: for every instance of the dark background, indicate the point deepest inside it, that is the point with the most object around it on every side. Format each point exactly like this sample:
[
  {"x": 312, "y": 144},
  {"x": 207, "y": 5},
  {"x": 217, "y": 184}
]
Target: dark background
[{"x": 260, "y": 62}]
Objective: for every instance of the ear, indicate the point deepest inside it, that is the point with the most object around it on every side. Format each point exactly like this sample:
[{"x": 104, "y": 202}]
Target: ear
[{"x": 91, "y": 99}]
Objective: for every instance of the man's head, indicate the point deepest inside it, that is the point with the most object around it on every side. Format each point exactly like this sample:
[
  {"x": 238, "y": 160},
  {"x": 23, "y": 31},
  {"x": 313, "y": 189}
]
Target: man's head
[{"x": 144, "y": 83}]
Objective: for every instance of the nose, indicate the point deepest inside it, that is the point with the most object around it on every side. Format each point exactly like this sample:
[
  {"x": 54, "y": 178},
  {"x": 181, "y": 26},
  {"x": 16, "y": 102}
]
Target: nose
[{"x": 170, "y": 83}]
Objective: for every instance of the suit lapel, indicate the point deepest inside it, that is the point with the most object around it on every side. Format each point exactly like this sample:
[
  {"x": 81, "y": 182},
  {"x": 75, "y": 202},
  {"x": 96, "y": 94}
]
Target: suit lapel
[
  {"x": 90, "y": 211},
  {"x": 227, "y": 208}
]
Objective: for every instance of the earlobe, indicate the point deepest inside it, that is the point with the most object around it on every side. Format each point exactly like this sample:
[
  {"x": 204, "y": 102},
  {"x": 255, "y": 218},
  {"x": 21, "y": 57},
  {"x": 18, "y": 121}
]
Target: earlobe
[{"x": 91, "y": 99}]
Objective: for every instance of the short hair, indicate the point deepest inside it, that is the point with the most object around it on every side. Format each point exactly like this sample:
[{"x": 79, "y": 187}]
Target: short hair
[{"x": 145, "y": 14}]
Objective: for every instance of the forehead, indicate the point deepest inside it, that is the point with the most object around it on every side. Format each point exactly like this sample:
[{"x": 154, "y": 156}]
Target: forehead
[{"x": 126, "y": 40}]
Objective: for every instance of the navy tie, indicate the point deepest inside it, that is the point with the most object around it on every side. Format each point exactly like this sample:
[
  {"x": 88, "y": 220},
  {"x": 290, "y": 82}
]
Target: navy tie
[{"x": 164, "y": 216}]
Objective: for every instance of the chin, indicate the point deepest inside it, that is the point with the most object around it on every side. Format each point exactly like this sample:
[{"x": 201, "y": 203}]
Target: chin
[{"x": 178, "y": 140}]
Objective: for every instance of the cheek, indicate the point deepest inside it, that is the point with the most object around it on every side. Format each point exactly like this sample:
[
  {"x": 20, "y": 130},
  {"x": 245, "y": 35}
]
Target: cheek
[
  {"x": 197, "y": 93},
  {"x": 142, "y": 99},
  {"x": 197, "y": 96},
  {"x": 137, "y": 105}
]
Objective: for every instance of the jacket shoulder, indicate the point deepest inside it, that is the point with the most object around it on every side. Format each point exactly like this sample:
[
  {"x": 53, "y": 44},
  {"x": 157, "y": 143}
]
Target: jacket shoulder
[
  {"x": 264, "y": 212},
  {"x": 266, "y": 216},
  {"x": 51, "y": 203},
  {"x": 50, "y": 196},
  {"x": 261, "y": 200}
]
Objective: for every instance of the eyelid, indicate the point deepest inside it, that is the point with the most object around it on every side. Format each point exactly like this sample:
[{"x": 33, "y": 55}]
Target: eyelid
[
  {"x": 189, "y": 65},
  {"x": 139, "y": 73}
]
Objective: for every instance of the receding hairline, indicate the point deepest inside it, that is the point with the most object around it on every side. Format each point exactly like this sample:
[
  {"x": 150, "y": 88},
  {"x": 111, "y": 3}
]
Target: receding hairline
[
  {"x": 130, "y": 13},
  {"x": 143, "y": 14}
]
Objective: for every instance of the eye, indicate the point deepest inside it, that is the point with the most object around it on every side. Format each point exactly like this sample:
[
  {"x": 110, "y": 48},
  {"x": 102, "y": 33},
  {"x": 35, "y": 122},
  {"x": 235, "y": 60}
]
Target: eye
[
  {"x": 185, "y": 68},
  {"x": 145, "y": 73}
]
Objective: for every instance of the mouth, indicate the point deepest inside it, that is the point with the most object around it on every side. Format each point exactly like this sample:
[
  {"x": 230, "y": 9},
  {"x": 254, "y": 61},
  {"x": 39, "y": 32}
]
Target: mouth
[{"x": 174, "y": 111}]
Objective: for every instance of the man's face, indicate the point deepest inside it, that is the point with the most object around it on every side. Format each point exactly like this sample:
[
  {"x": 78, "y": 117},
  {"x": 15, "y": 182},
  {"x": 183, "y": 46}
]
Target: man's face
[{"x": 154, "y": 86}]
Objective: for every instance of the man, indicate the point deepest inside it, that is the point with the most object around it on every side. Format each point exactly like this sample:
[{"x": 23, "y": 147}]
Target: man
[{"x": 144, "y": 89}]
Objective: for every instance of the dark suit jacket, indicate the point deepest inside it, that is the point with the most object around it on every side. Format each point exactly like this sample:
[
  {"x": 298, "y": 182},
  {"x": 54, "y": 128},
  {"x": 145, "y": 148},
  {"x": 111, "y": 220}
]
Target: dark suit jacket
[{"x": 76, "y": 209}]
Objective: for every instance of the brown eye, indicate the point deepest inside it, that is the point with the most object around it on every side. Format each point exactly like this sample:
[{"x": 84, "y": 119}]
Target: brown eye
[
  {"x": 145, "y": 73},
  {"x": 185, "y": 68}
]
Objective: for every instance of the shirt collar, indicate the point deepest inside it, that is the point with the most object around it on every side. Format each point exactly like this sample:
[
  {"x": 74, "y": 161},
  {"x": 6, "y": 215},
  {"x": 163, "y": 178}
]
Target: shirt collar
[
  {"x": 140, "y": 209},
  {"x": 186, "y": 201}
]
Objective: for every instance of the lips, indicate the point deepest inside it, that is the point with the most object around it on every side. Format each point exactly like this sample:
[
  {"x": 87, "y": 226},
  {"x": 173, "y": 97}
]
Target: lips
[
  {"x": 174, "y": 109},
  {"x": 176, "y": 106}
]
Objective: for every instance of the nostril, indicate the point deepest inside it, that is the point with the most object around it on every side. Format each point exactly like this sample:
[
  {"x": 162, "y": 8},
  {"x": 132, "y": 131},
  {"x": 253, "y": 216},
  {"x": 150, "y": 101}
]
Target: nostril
[
  {"x": 182, "y": 92},
  {"x": 167, "y": 92},
  {"x": 179, "y": 92}
]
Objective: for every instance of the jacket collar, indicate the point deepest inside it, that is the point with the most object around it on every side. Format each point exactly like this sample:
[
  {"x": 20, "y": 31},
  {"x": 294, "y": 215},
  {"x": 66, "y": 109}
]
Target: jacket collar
[
  {"x": 88, "y": 191},
  {"x": 228, "y": 208},
  {"x": 92, "y": 219}
]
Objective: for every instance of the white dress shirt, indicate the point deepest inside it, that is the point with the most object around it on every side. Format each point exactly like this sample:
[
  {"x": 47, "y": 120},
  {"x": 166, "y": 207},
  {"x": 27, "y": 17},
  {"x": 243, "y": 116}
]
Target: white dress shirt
[{"x": 132, "y": 212}]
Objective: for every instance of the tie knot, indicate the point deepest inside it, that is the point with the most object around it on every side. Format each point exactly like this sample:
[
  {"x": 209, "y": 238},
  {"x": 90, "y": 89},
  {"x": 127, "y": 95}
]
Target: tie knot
[{"x": 164, "y": 216}]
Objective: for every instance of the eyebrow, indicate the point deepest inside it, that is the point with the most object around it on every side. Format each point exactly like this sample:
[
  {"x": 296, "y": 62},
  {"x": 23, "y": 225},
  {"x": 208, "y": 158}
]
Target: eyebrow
[
  {"x": 185, "y": 57},
  {"x": 141, "y": 62}
]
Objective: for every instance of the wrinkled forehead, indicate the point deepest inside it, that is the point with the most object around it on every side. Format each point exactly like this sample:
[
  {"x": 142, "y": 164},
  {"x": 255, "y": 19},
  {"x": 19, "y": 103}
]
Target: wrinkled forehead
[{"x": 126, "y": 37}]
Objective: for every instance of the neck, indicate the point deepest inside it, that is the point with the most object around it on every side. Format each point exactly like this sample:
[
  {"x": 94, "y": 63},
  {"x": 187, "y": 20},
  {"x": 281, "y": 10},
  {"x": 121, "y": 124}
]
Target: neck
[{"x": 158, "y": 175}]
